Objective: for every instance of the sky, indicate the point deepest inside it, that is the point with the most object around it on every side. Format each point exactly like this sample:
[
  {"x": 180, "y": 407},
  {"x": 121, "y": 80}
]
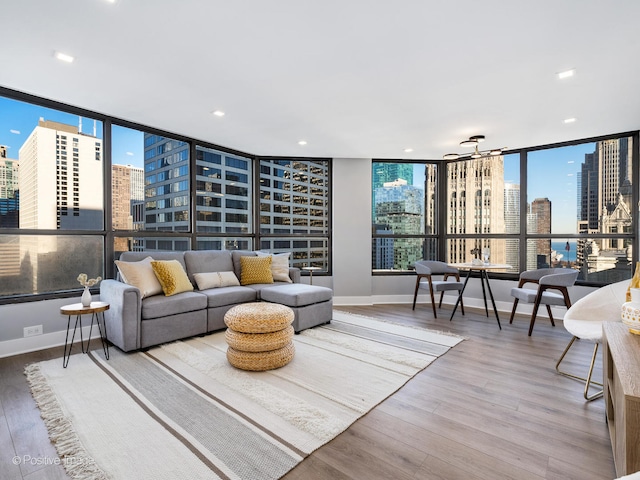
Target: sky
[
  {"x": 18, "y": 119},
  {"x": 552, "y": 173}
]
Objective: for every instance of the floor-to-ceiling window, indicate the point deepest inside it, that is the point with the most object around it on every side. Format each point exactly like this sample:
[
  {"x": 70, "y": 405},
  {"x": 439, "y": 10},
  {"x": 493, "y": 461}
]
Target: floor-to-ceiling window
[
  {"x": 51, "y": 198},
  {"x": 78, "y": 188},
  {"x": 570, "y": 206},
  {"x": 403, "y": 214},
  {"x": 295, "y": 210},
  {"x": 581, "y": 209},
  {"x": 483, "y": 209}
]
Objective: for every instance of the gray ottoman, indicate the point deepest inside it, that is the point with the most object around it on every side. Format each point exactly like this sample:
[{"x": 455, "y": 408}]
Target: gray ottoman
[{"x": 312, "y": 305}]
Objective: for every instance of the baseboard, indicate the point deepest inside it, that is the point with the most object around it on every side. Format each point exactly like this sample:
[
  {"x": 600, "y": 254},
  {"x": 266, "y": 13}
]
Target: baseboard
[
  {"x": 345, "y": 301},
  {"x": 18, "y": 346}
]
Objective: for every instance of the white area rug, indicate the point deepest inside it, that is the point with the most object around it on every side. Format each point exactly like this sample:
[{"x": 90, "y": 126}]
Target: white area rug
[{"x": 181, "y": 411}]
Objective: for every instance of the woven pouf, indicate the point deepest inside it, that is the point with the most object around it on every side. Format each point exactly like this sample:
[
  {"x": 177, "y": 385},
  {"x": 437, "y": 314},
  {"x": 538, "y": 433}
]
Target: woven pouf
[
  {"x": 258, "y": 317},
  {"x": 258, "y": 342},
  {"x": 261, "y": 361},
  {"x": 259, "y": 336}
]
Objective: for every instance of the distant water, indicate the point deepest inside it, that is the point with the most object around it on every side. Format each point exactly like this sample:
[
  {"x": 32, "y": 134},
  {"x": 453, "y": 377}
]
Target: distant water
[{"x": 561, "y": 247}]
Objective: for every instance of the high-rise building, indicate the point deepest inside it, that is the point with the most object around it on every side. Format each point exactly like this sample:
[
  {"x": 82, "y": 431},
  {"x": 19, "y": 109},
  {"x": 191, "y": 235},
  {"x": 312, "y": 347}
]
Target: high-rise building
[
  {"x": 512, "y": 222},
  {"x": 294, "y": 199},
  {"x": 388, "y": 172},
  {"x": 476, "y": 206},
  {"x": 8, "y": 190},
  {"x": 61, "y": 188},
  {"x": 399, "y": 208},
  {"x": 61, "y": 179},
  {"x": 9, "y": 216},
  {"x": 540, "y": 210},
  {"x": 606, "y": 202},
  {"x": 8, "y": 174}
]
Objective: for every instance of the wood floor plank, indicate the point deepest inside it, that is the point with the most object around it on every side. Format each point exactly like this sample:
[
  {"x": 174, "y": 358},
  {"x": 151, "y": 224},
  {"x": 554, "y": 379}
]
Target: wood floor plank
[
  {"x": 435, "y": 469},
  {"x": 9, "y": 468},
  {"x": 456, "y": 452},
  {"x": 473, "y": 437},
  {"x": 28, "y": 432}
]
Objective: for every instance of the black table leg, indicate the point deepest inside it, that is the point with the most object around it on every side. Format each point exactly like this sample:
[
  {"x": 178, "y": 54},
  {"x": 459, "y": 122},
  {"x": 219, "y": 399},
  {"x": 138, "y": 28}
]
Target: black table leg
[
  {"x": 460, "y": 296},
  {"x": 103, "y": 336},
  {"x": 67, "y": 354},
  {"x": 484, "y": 293},
  {"x": 493, "y": 302}
]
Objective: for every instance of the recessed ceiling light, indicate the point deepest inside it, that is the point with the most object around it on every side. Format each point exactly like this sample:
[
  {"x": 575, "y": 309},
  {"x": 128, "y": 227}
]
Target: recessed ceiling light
[
  {"x": 302, "y": 142},
  {"x": 63, "y": 57},
  {"x": 566, "y": 74},
  {"x": 569, "y": 120},
  {"x": 408, "y": 150},
  {"x": 218, "y": 113}
]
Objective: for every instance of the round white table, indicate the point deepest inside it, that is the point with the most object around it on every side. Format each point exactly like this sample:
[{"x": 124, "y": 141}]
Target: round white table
[
  {"x": 483, "y": 268},
  {"x": 311, "y": 270}
]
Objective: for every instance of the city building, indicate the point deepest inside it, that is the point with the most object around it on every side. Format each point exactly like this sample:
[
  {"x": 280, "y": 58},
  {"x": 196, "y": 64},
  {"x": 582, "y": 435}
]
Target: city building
[
  {"x": 478, "y": 183},
  {"x": 294, "y": 199},
  {"x": 512, "y": 223},
  {"x": 540, "y": 210},
  {"x": 61, "y": 188},
  {"x": 606, "y": 200},
  {"x": 399, "y": 208}
]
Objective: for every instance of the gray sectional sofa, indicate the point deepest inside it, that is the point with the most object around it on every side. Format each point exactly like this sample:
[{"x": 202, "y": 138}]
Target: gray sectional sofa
[{"x": 134, "y": 322}]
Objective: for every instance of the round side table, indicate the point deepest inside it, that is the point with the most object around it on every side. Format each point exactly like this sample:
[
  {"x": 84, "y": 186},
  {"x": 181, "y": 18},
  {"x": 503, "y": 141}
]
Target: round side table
[
  {"x": 95, "y": 309},
  {"x": 311, "y": 270}
]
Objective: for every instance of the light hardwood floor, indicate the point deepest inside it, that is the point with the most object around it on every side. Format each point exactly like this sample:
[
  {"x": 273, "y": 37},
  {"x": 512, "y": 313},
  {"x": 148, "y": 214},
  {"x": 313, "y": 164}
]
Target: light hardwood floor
[{"x": 491, "y": 408}]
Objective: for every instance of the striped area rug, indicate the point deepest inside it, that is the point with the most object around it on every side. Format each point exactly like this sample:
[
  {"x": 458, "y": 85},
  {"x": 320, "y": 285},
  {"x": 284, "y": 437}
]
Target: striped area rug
[{"x": 181, "y": 411}]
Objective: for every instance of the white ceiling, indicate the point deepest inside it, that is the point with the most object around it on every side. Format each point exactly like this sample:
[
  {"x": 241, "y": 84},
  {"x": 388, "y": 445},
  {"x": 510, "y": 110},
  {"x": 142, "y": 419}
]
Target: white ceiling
[{"x": 354, "y": 78}]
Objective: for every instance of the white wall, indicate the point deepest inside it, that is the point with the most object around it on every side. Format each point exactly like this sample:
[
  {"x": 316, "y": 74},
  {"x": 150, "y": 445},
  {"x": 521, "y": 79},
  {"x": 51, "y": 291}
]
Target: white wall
[{"x": 352, "y": 281}]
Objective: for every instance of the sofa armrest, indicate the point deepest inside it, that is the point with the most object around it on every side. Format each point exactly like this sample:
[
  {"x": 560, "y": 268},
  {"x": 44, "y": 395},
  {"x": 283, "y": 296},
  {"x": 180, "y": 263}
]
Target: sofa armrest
[
  {"x": 124, "y": 314},
  {"x": 294, "y": 274}
]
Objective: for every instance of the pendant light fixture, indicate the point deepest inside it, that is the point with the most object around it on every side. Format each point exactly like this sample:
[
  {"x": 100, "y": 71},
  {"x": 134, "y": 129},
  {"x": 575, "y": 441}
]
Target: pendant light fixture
[{"x": 474, "y": 141}]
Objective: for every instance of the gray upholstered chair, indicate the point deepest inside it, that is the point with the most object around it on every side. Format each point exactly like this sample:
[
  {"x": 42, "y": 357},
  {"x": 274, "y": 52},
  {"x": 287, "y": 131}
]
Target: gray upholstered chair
[
  {"x": 425, "y": 270},
  {"x": 547, "y": 279},
  {"x": 584, "y": 321}
]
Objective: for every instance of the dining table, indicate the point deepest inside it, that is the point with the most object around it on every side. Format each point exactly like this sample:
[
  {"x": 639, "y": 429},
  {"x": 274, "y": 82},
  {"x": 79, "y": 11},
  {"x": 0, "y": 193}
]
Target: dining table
[{"x": 484, "y": 269}]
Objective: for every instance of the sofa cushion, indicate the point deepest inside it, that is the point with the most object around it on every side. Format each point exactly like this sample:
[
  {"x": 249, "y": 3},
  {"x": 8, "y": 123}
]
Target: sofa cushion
[
  {"x": 140, "y": 275},
  {"x": 161, "y": 306},
  {"x": 204, "y": 261},
  {"x": 255, "y": 270},
  {"x": 221, "y": 297},
  {"x": 296, "y": 294},
  {"x": 279, "y": 265},
  {"x": 171, "y": 276},
  {"x": 215, "y": 280}
]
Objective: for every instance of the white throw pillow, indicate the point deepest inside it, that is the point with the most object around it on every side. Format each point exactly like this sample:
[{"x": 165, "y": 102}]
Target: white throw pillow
[
  {"x": 279, "y": 266},
  {"x": 140, "y": 274},
  {"x": 215, "y": 280}
]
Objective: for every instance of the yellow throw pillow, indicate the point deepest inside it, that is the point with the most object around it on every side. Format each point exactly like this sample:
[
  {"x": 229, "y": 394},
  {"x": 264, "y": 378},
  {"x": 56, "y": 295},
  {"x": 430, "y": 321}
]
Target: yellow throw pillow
[
  {"x": 255, "y": 270},
  {"x": 140, "y": 275},
  {"x": 172, "y": 277}
]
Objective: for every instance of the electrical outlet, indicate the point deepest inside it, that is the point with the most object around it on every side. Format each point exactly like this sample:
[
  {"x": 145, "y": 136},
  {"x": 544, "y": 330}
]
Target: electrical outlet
[{"x": 32, "y": 331}]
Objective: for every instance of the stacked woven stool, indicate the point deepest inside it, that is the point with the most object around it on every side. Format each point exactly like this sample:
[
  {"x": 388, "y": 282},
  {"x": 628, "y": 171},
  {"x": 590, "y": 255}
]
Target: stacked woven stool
[{"x": 260, "y": 336}]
